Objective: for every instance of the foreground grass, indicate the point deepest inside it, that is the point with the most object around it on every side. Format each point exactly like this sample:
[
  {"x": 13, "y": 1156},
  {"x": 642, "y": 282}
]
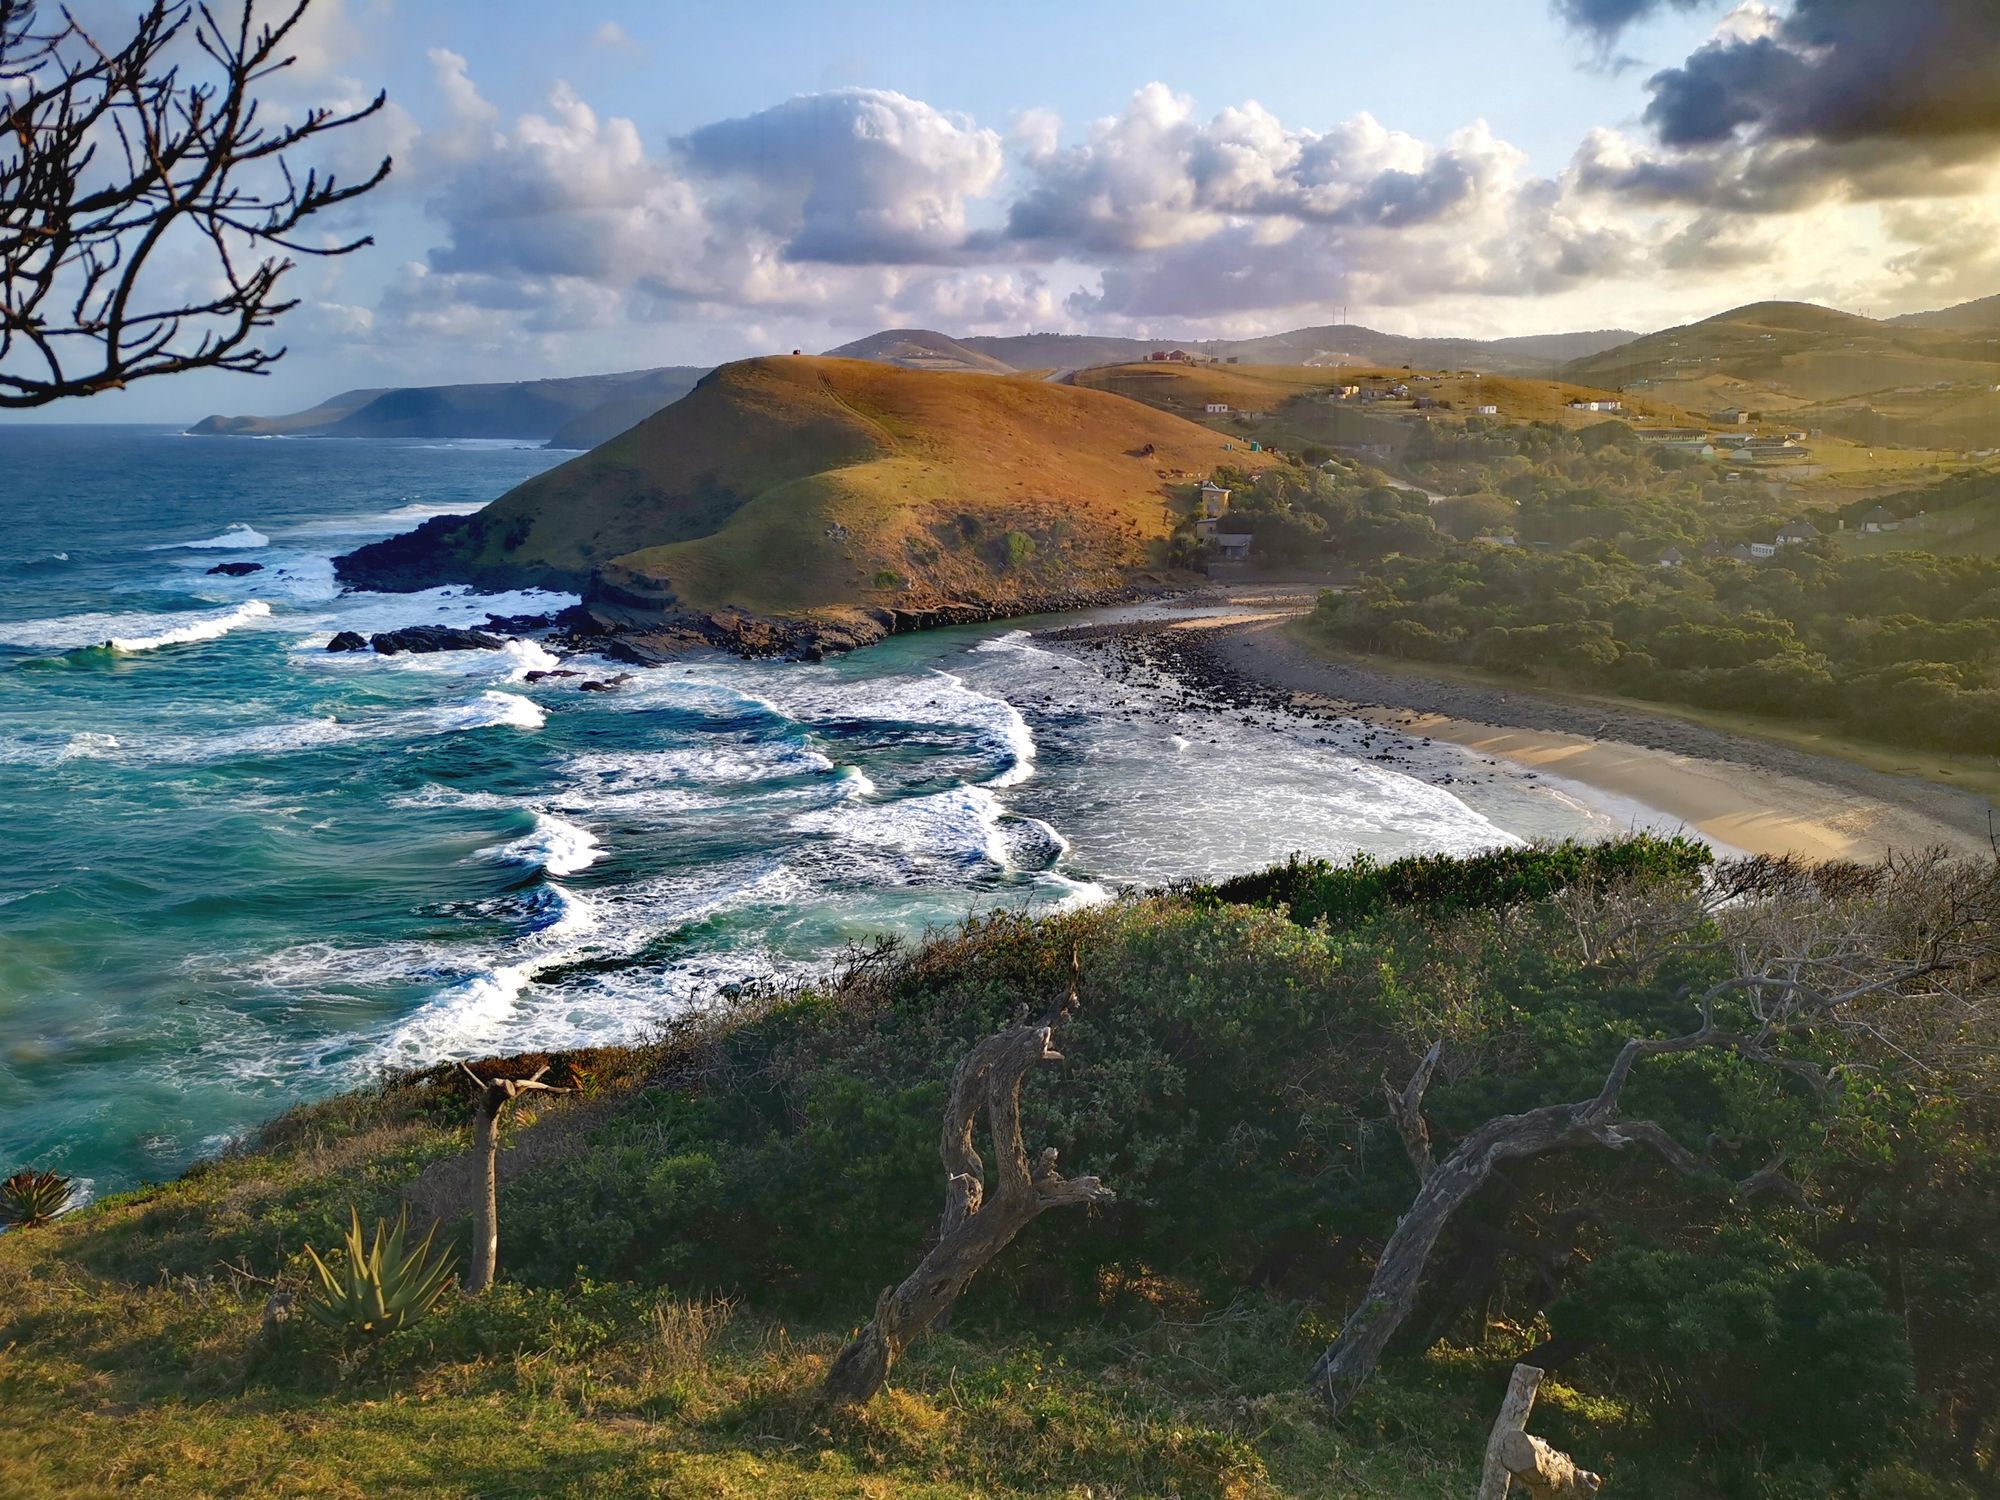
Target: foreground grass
[{"x": 116, "y": 1381}]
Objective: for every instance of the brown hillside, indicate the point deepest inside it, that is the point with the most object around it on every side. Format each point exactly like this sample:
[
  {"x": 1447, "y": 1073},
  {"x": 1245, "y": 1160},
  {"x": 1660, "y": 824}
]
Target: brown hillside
[{"x": 831, "y": 489}]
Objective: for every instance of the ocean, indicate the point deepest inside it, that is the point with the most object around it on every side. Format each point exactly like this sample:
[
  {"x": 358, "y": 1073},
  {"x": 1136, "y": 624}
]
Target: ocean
[{"x": 238, "y": 872}]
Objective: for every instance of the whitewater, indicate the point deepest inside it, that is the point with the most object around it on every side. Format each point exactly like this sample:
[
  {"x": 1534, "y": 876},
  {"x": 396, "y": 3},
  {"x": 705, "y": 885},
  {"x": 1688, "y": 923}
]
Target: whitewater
[{"x": 240, "y": 871}]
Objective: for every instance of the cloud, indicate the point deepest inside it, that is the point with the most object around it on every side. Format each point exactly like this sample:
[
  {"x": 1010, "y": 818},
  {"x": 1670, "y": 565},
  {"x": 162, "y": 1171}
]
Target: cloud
[
  {"x": 1607, "y": 19},
  {"x": 853, "y": 176},
  {"x": 611, "y": 37}
]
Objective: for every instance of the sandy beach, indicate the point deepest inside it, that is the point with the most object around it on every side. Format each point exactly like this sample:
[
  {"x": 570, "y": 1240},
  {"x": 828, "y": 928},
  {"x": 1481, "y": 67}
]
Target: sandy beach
[{"x": 1741, "y": 793}]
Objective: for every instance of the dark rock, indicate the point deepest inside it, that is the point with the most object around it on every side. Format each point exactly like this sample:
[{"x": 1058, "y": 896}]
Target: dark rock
[
  {"x": 236, "y": 569},
  {"x": 418, "y": 639},
  {"x": 348, "y": 640},
  {"x": 608, "y": 685},
  {"x": 537, "y": 676}
]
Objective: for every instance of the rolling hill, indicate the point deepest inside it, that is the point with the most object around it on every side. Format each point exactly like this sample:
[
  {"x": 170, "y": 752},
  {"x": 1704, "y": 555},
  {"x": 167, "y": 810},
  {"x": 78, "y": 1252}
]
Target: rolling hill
[
  {"x": 1968, "y": 317},
  {"x": 532, "y": 410},
  {"x": 1786, "y": 357},
  {"x": 808, "y": 503},
  {"x": 920, "y": 349},
  {"x": 1334, "y": 345}
]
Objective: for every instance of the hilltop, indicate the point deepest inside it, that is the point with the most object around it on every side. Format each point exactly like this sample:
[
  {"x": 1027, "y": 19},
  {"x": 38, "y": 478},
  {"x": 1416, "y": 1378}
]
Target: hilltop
[
  {"x": 920, "y": 349},
  {"x": 575, "y": 411},
  {"x": 806, "y": 503}
]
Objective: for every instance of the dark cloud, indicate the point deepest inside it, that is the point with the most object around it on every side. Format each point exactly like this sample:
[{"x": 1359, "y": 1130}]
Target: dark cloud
[
  {"x": 1605, "y": 19},
  {"x": 1838, "y": 71}
]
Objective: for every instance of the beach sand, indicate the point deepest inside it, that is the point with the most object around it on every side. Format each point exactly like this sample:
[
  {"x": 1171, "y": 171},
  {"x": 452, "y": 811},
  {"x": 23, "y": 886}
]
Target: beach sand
[{"x": 1741, "y": 793}]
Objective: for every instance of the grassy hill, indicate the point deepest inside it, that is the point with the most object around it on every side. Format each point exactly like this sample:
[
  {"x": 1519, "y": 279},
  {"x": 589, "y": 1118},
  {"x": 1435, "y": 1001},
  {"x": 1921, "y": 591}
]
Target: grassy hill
[
  {"x": 838, "y": 492},
  {"x": 1781, "y": 357}
]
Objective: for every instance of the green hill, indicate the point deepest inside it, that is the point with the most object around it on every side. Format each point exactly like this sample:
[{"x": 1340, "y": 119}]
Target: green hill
[{"x": 840, "y": 496}]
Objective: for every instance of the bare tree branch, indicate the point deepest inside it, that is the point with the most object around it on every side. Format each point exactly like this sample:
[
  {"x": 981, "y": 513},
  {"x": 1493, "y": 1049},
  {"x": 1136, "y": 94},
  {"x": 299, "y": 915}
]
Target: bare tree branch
[
  {"x": 1901, "y": 957},
  {"x": 118, "y": 161}
]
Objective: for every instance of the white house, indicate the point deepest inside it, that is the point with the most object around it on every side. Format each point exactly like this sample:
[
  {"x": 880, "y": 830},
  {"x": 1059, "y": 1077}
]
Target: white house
[
  {"x": 1763, "y": 549},
  {"x": 1217, "y": 408},
  {"x": 1881, "y": 519},
  {"x": 1673, "y": 557},
  {"x": 1487, "y": 410},
  {"x": 1798, "y": 534},
  {"x": 1597, "y": 406}
]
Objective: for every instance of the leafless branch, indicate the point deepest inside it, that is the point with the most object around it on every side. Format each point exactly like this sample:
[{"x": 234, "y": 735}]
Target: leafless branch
[{"x": 118, "y": 161}]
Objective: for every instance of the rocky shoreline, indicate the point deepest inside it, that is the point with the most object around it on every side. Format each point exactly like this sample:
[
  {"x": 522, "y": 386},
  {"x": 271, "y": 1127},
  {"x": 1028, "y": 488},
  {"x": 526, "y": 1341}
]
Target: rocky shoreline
[{"x": 1254, "y": 665}]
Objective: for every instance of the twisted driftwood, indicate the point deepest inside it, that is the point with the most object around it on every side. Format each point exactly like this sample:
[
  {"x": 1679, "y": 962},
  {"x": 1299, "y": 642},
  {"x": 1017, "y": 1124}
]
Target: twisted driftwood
[
  {"x": 494, "y": 1095},
  {"x": 977, "y": 1225},
  {"x": 1513, "y": 1453}
]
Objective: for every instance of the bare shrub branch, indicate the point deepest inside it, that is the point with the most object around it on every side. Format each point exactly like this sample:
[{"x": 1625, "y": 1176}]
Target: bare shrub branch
[{"x": 120, "y": 160}]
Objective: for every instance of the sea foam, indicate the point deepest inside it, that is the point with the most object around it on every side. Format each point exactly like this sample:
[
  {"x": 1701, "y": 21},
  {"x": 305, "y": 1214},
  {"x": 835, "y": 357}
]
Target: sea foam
[
  {"x": 238, "y": 538},
  {"x": 210, "y": 628},
  {"x": 555, "y": 845}
]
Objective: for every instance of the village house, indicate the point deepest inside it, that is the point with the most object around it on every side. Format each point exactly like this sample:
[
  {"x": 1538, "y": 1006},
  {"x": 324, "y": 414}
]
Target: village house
[
  {"x": 1346, "y": 392},
  {"x": 1217, "y": 408},
  {"x": 1233, "y": 546},
  {"x": 1799, "y": 533},
  {"x": 1606, "y": 405},
  {"x": 1214, "y": 498},
  {"x": 1741, "y": 553},
  {"x": 1673, "y": 557},
  {"x": 1488, "y": 410},
  {"x": 1881, "y": 518},
  {"x": 1763, "y": 549}
]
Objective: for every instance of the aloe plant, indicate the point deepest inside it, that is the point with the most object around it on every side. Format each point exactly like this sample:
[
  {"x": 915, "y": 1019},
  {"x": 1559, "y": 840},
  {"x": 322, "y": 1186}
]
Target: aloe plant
[
  {"x": 382, "y": 1287},
  {"x": 29, "y": 1198}
]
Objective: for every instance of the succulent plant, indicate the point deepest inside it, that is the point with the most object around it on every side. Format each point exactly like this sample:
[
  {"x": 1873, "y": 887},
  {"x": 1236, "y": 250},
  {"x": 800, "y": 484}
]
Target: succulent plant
[
  {"x": 29, "y": 1198},
  {"x": 382, "y": 1287}
]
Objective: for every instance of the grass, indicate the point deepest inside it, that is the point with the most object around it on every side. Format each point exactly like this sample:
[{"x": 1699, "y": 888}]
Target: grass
[
  {"x": 132, "y": 1359},
  {"x": 1979, "y": 774}
]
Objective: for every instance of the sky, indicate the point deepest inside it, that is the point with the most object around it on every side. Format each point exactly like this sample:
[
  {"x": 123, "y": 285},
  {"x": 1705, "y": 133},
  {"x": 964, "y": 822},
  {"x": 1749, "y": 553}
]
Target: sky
[{"x": 609, "y": 184}]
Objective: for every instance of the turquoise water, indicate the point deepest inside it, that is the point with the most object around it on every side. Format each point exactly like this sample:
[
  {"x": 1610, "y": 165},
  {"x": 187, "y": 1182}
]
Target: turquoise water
[{"x": 237, "y": 872}]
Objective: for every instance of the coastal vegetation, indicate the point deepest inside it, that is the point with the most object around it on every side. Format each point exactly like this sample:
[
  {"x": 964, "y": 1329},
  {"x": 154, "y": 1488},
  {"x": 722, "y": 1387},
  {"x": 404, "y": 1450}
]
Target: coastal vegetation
[
  {"x": 1767, "y": 1269},
  {"x": 1902, "y": 648}
]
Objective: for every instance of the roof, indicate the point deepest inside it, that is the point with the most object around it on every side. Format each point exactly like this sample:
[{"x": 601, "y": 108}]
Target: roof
[
  {"x": 1881, "y": 513},
  {"x": 1801, "y": 528}
]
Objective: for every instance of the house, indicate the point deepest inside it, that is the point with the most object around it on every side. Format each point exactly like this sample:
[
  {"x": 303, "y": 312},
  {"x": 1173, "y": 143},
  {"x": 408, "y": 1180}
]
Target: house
[
  {"x": 1234, "y": 546},
  {"x": 1881, "y": 518},
  {"x": 1217, "y": 408},
  {"x": 1607, "y": 405},
  {"x": 1425, "y": 403},
  {"x": 1489, "y": 410},
  {"x": 1673, "y": 435},
  {"x": 1205, "y": 528},
  {"x": 1214, "y": 498},
  {"x": 1346, "y": 392},
  {"x": 1697, "y": 447},
  {"x": 1734, "y": 416},
  {"x": 1740, "y": 553},
  {"x": 1673, "y": 557},
  {"x": 1763, "y": 549},
  {"x": 1798, "y": 534}
]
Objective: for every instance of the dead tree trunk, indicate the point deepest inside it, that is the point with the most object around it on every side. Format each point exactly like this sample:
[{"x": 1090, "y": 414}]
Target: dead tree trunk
[
  {"x": 1511, "y": 1453},
  {"x": 494, "y": 1095},
  {"x": 976, "y": 1226},
  {"x": 1447, "y": 1185}
]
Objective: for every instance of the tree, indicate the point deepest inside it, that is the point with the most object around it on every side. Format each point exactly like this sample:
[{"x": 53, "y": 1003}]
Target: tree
[
  {"x": 976, "y": 1227},
  {"x": 121, "y": 161},
  {"x": 1819, "y": 969},
  {"x": 493, "y": 1097}
]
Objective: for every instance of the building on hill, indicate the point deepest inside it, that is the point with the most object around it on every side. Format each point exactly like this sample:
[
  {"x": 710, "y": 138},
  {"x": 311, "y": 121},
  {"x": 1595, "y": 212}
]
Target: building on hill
[
  {"x": 1673, "y": 557},
  {"x": 1740, "y": 553},
  {"x": 1733, "y": 416},
  {"x": 1233, "y": 546},
  {"x": 1488, "y": 410},
  {"x": 1673, "y": 435},
  {"x": 1881, "y": 518},
  {"x": 1217, "y": 408},
  {"x": 1603, "y": 405},
  {"x": 1214, "y": 499},
  {"x": 1798, "y": 534}
]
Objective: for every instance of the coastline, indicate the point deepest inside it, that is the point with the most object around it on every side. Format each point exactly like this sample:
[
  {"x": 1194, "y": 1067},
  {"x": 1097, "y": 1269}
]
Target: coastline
[{"x": 1743, "y": 794}]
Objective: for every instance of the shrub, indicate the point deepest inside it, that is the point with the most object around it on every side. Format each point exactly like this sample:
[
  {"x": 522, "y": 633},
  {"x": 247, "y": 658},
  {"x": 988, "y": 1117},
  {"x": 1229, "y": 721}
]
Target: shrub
[{"x": 382, "y": 1287}]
